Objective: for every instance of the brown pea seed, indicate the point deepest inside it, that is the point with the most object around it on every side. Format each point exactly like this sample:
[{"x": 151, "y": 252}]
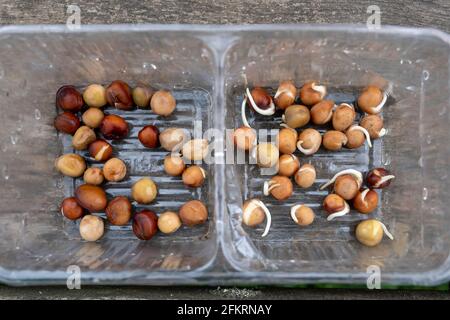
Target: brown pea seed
[
  {"x": 322, "y": 112},
  {"x": 92, "y": 228},
  {"x": 69, "y": 99},
  {"x": 90, "y": 197},
  {"x": 149, "y": 136},
  {"x": 366, "y": 201},
  {"x": 173, "y": 139},
  {"x": 369, "y": 99},
  {"x": 142, "y": 95},
  {"x": 355, "y": 139},
  {"x": 333, "y": 203},
  {"x": 95, "y": 96},
  {"x": 93, "y": 176},
  {"x": 71, "y": 164},
  {"x": 118, "y": 95},
  {"x": 369, "y": 232},
  {"x": 285, "y": 95},
  {"x": 194, "y": 176},
  {"x": 169, "y": 222},
  {"x": 311, "y": 96},
  {"x": 373, "y": 123},
  {"x": 296, "y": 116},
  {"x": 174, "y": 165},
  {"x": 195, "y": 149},
  {"x": 309, "y": 140},
  {"x": 287, "y": 140},
  {"x": 193, "y": 213},
  {"x": 288, "y": 165},
  {"x": 163, "y": 103},
  {"x": 305, "y": 216},
  {"x": 118, "y": 211},
  {"x": 244, "y": 138},
  {"x": 144, "y": 191},
  {"x": 71, "y": 209},
  {"x": 114, "y": 170},
  {"x": 343, "y": 117},
  {"x": 334, "y": 140},
  {"x": 305, "y": 176},
  {"x": 280, "y": 187},
  {"x": 67, "y": 122},
  {"x": 100, "y": 150},
  {"x": 83, "y": 137},
  {"x": 93, "y": 117},
  {"x": 346, "y": 186},
  {"x": 114, "y": 127},
  {"x": 267, "y": 155}
]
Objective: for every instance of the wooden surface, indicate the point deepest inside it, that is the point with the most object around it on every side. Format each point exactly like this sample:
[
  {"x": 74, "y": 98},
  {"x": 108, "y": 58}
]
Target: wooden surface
[
  {"x": 433, "y": 14},
  {"x": 430, "y": 13}
]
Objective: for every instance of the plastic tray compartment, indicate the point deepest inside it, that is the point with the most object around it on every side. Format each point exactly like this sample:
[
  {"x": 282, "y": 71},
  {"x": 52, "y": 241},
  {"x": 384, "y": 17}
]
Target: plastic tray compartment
[
  {"x": 415, "y": 207},
  {"x": 203, "y": 65},
  {"x": 37, "y": 243}
]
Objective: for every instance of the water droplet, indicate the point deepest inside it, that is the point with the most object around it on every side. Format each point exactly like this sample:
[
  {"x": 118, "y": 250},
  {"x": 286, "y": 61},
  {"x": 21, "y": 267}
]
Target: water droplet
[
  {"x": 37, "y": 114},
  {"x": 425, "y": 74},
  {"x": 411, "y": 88},
  {"x": 5, "y": 173},
  {"x": 50, "y": 66},
  {"x": 97, "y": 59},
  {"x": 14, "y": 138},
  {"x": 244, "y": 68},
  {"x": 401, "y": 61},
  {"x": 425, "y": 193},
  {"x": 153, "y": 66},
  {"x": 420, "y": 162},
  {"x": 428, "y": 139},
  {"x": 204, "y": 54}
]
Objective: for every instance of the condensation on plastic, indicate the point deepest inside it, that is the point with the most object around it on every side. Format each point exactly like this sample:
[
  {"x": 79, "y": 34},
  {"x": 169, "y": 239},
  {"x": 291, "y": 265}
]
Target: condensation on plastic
[{"x": 203, "y": 65}]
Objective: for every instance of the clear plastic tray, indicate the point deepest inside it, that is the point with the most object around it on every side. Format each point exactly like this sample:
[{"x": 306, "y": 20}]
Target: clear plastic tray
[{"x": 203, "y": 65}]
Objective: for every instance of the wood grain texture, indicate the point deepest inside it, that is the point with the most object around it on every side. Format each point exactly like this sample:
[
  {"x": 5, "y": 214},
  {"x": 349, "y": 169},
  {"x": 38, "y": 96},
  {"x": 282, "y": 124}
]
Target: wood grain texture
[{"x": 432, "y": 13}]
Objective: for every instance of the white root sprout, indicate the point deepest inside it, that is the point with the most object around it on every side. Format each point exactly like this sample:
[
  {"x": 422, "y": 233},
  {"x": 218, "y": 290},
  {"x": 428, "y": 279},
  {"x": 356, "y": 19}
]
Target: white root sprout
[
  {"x": 386, "y": 231},
  {"x": 268, "y": 112},
  {"x": 203, "y": 172},
  {"x": 321, "y": 89},
  {"x": 280, "y": 92},
  {"x": 383, "y": 180},
  {"x": 269, "y": 186},
  {"x": 309, "y": 151},
  {"x": 253, "y": 204},
  {"x": 364, "y": 194},
  {"x": 306, "y": 169},
  {"x": 293, "y": 210},
  {"x": 244, "y": 117},
  {"x": 341, "y": 213},
  {"x": 363, "y": 130},
  {"x": 355, "y": 173},
  {"x": 347, "y": 105},
  {"x": 382, "y": 132},
  {"x": 386, "y": 94}
]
